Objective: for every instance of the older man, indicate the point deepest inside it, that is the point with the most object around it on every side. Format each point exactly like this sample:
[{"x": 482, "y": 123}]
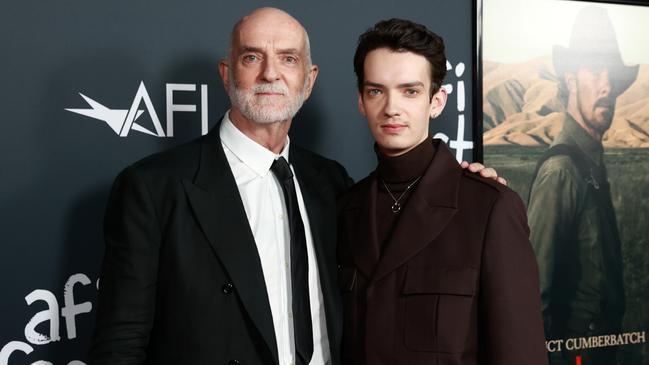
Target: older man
[
  {"x": 572, "y": 221},
  {"x": 223, "y": 250},
  {"x": 200, "y": 260}
]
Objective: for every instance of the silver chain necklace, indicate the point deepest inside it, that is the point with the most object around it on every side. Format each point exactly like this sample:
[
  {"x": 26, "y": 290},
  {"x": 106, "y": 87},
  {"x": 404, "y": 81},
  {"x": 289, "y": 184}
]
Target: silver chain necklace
[{"x": 396, "y": 207}]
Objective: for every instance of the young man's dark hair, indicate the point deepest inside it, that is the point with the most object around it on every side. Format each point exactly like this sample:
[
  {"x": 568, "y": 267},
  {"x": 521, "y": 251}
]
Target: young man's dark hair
[{"x": 401, "y": 35}]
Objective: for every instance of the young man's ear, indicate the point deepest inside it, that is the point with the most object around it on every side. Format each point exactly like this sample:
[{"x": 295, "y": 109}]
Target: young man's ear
[
  {"x": 361, "y": 106},
  {"x": 438, "y": 102}
]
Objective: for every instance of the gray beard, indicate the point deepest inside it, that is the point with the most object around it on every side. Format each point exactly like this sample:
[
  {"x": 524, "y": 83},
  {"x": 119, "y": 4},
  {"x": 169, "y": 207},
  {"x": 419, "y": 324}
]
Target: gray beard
[{"x": 259, "y": 112}]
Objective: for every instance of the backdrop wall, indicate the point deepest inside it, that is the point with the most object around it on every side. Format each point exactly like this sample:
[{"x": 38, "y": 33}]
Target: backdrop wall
[{"x": 109, "y": 60}]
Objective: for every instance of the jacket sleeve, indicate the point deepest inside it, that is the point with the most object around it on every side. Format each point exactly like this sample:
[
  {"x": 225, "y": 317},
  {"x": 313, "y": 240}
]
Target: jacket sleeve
[
  {"x": 127, "y": 286},
  {"x": 551, "y": 211},
  {"x": 510, "y": 311}
]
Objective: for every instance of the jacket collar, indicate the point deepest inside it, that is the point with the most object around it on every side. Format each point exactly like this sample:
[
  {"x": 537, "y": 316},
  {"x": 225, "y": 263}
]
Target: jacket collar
[
  {"x": 429, "y": 209},
  {"x": 573, "y": 134}
]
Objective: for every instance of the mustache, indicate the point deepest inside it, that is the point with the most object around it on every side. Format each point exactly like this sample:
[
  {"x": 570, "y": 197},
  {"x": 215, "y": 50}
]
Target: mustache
[
  {"x": 604, "y": 103},
  {"x": 276, "y": 87}
]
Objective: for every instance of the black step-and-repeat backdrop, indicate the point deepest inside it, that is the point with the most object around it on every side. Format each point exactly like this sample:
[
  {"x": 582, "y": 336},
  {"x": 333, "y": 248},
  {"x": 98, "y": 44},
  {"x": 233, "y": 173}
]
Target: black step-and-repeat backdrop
[{"x": 89, "y": 87}]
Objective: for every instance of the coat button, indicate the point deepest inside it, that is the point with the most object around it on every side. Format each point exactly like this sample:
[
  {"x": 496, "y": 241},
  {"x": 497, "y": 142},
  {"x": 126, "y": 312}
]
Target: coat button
[
  {"x": 227, "y": 289},
  {"x": 234, "y": 362}
]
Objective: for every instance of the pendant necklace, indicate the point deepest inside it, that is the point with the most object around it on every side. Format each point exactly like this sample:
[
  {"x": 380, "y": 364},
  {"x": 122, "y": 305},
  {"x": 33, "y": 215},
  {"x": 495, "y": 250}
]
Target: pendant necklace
[{"x": 396, "y": 207}]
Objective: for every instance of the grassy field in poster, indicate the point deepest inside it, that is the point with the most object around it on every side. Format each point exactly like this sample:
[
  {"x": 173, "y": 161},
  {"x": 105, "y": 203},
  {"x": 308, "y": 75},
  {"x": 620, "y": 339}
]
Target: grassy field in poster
[{"x": 628, "y": 172}]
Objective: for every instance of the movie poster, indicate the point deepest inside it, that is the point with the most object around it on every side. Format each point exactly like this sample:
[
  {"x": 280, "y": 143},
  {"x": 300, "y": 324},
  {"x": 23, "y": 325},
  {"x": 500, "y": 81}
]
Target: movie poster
[{"x": 565, "y": 95}]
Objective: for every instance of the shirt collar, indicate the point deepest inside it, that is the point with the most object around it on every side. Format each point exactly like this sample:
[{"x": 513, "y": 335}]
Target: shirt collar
[
  {"x": 589, "y": 145},
  {"x": 255, "y": 156}
]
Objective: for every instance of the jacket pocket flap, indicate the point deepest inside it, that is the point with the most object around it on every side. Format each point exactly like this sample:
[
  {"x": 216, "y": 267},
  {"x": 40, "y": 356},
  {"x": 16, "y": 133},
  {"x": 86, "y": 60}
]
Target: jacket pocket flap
[
  {"x": 452, "y": 281},
  {"x": 346, "y": 278}
]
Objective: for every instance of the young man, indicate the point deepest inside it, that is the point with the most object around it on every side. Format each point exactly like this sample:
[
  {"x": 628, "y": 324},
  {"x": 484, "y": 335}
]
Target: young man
[{"x": 434, "y": 262}]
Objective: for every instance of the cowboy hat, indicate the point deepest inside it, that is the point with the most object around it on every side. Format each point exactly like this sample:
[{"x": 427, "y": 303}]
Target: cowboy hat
[{"x": 593, "y": 43}]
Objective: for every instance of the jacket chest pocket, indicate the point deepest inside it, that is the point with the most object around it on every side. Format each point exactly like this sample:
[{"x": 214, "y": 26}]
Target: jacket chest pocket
[{"x": 439, "y": 308}]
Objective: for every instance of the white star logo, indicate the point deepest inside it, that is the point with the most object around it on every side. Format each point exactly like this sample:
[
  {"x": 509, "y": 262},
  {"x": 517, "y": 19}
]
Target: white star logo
[{"x": 123, "y": 120}]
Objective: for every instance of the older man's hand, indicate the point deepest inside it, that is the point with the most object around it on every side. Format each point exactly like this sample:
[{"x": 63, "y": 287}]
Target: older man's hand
[{"x": 487, "y": 172}]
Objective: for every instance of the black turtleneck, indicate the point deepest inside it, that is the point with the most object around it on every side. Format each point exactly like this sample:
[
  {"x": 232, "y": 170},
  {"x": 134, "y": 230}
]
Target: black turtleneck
[{"x": 397, "y": 173}]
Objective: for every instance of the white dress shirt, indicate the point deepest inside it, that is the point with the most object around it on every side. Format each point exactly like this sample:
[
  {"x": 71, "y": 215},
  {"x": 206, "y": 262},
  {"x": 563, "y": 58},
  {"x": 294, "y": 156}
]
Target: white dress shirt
[{"x": 263, "y": 201}]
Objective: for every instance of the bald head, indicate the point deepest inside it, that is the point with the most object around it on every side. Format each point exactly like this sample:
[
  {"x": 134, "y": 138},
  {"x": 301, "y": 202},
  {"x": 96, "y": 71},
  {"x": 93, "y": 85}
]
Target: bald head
[
  {"x": 268, "y": 74},
  {"x": 269, "y": 19},
  {"x": 270, "y": 15}
]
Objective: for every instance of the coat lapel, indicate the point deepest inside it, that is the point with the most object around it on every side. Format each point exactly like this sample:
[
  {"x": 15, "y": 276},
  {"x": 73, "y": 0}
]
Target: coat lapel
[
  {"x": 428, "y": 210},
  {"x": 360, "y": 217},
  {"x": 216, "y": 202}
]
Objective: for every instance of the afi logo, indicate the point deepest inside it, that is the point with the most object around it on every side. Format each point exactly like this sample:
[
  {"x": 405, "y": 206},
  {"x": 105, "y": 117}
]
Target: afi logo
[{"x": 122, "y": 121}]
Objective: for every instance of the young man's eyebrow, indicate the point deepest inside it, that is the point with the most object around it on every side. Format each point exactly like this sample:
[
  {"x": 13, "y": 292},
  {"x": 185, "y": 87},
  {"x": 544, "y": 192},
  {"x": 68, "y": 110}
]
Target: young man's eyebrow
[
  {"x": 372, "y": 84},
  {"x": 411, "y": 84},
  {"x": 400, "y": 86}
]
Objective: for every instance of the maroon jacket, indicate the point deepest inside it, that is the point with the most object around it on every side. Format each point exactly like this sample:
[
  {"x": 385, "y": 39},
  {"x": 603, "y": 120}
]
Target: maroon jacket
[{"x": 457, "y": 282}]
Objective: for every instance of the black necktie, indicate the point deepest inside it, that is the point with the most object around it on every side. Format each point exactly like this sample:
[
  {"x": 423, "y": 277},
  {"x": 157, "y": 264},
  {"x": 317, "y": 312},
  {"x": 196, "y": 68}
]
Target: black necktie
[{"x": 302, "y": 327}]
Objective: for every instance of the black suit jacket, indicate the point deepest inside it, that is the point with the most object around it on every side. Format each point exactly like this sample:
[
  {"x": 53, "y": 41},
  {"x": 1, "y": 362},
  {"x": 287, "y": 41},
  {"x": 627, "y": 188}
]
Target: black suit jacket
[
  {"x": 181, "y": 281},
  {"x": 457, "y": 282}
]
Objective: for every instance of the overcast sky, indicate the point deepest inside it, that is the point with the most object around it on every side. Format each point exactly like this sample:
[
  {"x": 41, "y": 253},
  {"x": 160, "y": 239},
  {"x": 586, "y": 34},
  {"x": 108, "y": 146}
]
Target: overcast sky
[{"x": 516, "y": 30}]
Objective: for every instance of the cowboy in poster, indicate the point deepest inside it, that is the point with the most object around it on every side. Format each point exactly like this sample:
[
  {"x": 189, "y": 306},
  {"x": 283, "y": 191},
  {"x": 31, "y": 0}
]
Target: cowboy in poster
[
  {"x": 566, "y": 119},
  {"x": 572, "y": 221}
]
